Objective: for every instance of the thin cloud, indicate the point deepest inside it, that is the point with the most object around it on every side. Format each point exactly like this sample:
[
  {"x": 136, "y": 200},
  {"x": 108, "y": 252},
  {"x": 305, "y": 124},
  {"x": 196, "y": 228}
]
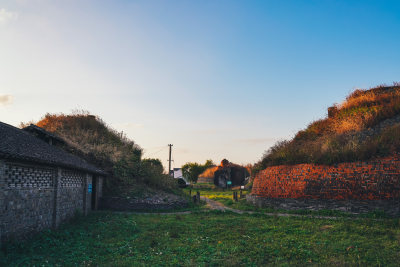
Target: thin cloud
[
  {"x": 7, "y": 16},
  {"x": 6, "y": 100}
]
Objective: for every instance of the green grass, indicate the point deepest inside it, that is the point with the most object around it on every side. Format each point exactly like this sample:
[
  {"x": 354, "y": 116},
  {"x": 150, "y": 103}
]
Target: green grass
[
  {"x": 209, "y": 239},
  {"x": 226, "y": 197},
  {"x": 214, "y": 193}
]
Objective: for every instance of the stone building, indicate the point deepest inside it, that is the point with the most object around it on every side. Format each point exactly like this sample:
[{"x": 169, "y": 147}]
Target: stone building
[
  {"x": 42, "y": 185},
  {"x": 225, "y": 175},
  {"x": 230, "y": 174}
]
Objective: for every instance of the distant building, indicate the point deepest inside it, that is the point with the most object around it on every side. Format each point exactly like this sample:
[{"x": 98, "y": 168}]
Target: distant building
[
  {"x": 41, "y": 185},
  {"x": 225, "y": 175},
  {"x": 177, "y": 174}
]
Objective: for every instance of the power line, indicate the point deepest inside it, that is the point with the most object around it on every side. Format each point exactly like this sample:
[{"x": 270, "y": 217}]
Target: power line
[{"x": 158, "y": 151}]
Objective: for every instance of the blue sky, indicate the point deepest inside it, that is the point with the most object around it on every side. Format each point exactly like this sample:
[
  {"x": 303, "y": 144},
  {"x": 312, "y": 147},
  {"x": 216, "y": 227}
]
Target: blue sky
[{"x": 218, "y": 79}]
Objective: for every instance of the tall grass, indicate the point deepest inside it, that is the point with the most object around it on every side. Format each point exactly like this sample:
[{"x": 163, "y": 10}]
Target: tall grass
[
  {"x": 90, "y": 137},
  {"x": 338, "y": 137}
]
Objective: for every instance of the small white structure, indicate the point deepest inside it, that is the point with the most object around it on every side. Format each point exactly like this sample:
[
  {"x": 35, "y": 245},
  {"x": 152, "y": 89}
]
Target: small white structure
[{"x": 177, "y": 174}]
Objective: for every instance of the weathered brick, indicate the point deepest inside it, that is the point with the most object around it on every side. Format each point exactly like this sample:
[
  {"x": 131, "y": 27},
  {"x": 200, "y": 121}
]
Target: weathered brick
[
  {"x": 377, "y": 179},
  {"x": 34, "y": 197}
]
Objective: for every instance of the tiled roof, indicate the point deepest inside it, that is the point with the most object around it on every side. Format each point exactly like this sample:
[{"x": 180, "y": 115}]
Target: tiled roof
[
  {"x": 40, "y": 132},
  {"x": 18, "y": 144}
]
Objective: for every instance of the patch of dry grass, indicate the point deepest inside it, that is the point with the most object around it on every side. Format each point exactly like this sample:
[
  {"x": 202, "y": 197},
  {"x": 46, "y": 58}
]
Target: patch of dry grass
[
  {"x": 88, "y": 136},
  {"x": 335, "y": 138}
]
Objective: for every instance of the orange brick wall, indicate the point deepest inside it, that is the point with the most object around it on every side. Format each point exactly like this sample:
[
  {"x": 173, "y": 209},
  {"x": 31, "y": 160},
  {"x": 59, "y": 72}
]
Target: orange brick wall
[{"x": 370, "y": 180}]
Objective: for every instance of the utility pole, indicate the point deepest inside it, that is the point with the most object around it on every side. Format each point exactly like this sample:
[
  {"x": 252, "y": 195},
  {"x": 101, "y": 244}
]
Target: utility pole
[{"x": 170, "y": 152}]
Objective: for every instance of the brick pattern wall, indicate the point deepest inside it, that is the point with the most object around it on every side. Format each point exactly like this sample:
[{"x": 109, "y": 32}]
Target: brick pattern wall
[
  {"x": 377, "y": 179},
  {"x": 72, "y": 178},
  {"x": 26, "y": 199},
  {"x": 28, "y": 177},
  {"x": 33, "y": 197},
  {"x": 70, "y": 195}
]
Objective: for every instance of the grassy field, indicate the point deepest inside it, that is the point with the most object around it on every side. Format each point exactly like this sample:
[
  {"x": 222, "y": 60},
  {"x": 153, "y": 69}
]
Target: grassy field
[
  {"x": 226, "y": 197},
  {"x": 209, "y": 239}
]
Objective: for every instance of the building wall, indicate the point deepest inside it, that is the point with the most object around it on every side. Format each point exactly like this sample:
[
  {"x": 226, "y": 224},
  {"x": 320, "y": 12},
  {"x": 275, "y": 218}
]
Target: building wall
[
  {"x": 35, "y": 197},
  {"x": 26, "y": 198},
  {"x": 88, "y": 202},
  {"x": 377, "y": 179},
  {"x": 71, "y": 194},
  {"x": 100, "y": 188}
]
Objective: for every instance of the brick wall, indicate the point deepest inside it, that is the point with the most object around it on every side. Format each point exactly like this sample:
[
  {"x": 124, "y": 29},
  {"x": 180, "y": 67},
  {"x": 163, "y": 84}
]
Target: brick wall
[
  {"x": 70, "y": 197},
  {"x": 377, "y": 179},
  {"x": 27, "y": 198},
  {"x": 35, "y": 197}
]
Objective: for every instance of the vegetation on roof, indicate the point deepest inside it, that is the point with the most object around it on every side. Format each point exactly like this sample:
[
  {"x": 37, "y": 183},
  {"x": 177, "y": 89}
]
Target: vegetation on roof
[
  {"x": 91, "y": 138},
  {"x": 365, "y": 125},
  {"x": 20, "y": 145}
]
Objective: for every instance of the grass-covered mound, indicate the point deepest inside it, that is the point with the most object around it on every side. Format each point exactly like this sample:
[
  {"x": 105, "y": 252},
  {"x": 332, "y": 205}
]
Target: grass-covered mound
[
  {"x": 90, "y": 137},
  {"x": 365, "y": 125}
]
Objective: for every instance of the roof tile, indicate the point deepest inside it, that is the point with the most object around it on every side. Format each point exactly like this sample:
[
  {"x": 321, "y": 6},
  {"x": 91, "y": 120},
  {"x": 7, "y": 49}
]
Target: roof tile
[{"x": 18, "y": 144}]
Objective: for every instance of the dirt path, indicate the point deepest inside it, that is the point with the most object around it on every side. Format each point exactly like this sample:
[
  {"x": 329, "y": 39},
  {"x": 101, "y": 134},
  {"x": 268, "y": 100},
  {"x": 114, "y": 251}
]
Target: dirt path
[
  {"x": 215, "y": 205},
  {"x": 211, "y": 205}
]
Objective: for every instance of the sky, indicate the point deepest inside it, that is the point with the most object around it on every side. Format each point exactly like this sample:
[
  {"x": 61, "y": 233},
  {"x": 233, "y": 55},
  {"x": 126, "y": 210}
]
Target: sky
[{"x": 217, "y": 79}]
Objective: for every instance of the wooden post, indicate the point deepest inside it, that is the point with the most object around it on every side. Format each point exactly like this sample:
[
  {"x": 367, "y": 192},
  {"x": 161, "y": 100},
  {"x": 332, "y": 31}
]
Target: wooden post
[
  {"x": 169, "y": 166},
  {"x": 198, "y": 196},
  {"x": 190, "y": 192},
  {"x": 241, "y": 195},
  {"x": 194, "y": 199},
  {"x": 233, "y": 195}
]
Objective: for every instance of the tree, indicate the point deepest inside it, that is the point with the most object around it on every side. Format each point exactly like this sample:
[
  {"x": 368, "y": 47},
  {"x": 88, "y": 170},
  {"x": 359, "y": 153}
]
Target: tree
[
  {"x": 192, "y": 170},
  {"x": 154, "y": 164}
]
